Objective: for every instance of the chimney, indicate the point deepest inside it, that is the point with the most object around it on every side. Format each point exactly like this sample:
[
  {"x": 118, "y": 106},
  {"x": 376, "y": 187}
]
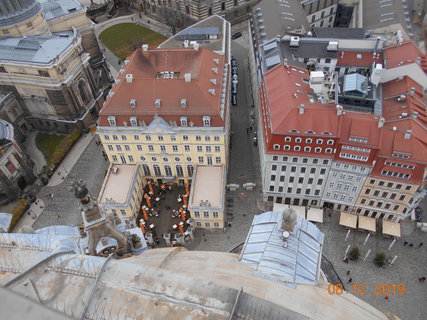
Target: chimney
[
  {"x": 129, "y": 77},
  {"x": 145, "y": 47},
  {"x": 289, "y": 220},
  {"x": 183, "y": 103},
  {"x": 408, "y": 134},
  {"x": 187, "y": 77},
  {"x": 381, "y": 122},
  {"x": 339, "y": 110},
  {"x": 301, "y": 108},
  {"x": 132, "y": 103},
  {"x": 415, "y": 114},
  {"x": 157, "y": 102}
]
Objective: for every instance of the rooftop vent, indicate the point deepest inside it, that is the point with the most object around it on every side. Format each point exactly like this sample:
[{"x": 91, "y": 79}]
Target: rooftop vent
[
  {"x": 339, "y": 110},
  {"x": 381, "y": 123},
  {"x": 183, "y": 103},
  {"x": 301, "y": 108},
  {"x": 332, "y": 46},
  {"x": 294, "y": 42},
  {"x": 187, "y": 77},
  {"x": 394, "y": 129},
  {"x": 408, "y": 134},
  {"x": 415, "y": 114},
  {"x": 145, "y": 47},
  {"x": 129, "y": 78},
  {"x": 157, "y": 102},
  {"x": 132, "y": 103}
]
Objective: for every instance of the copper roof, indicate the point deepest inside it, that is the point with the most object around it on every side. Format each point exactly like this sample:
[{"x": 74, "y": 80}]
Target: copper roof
[{"x": 203, "y": 94}]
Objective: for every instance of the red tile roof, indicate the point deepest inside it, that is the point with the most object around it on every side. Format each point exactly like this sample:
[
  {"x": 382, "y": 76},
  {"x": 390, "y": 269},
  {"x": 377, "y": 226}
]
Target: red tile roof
[
  {"x": 401, "y": 54},
  {"x": 146, "y": 88},
  {"x": 358, "y": 58}
]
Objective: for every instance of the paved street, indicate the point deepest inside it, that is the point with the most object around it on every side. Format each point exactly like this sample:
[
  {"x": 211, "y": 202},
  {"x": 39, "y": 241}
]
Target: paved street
[
  {"x": 243, "y": 162},
  {"x": 63, "y": 208}
]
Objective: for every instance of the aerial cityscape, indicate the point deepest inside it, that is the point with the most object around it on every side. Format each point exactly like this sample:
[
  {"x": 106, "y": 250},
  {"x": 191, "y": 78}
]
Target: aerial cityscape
[{"x": 213, "y": 159}]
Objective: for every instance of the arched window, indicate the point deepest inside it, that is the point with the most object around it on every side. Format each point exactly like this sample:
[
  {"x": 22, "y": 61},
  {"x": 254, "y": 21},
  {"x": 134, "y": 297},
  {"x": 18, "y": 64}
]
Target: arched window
[
  {"x": 157, "y": 171},
  {"x": 82, "y": 88},
  {"x": 146, "y": 169},
  {"x": 168, "y": 171},
  {"x": 190, "y": 170},
  {"x": 179, "y": 171}
]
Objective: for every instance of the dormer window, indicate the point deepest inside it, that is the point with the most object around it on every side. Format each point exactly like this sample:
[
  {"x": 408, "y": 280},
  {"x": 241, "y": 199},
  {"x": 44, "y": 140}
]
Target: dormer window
[
  {"x": 183, "y": 121},
  {"x": 206, "y": 121},
  {"x": 287, "y": 139},
  {"x": 133, "y": 121},
  {"x": 112, "y": 120},
  {"x": 276, "y": 147}
]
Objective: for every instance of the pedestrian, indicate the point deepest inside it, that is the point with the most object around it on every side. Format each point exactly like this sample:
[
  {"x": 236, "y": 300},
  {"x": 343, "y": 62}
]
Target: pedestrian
[
  {"x": 387, "y": 298},
  {"x": 420, "y": 245},
  {"x": 247, "y": 130},
  {"x": 348, "y": 272},
  {"x": 250, "y": 128},
  {"x": 411, "y": 245},
  {"x": 423, "y": 279},
  {"x": 157, "y": 241},
  {"x": 58, "y": 215},
  {"x": 140, "y": 15},
  {"x": 350, "y": 280},
  {"x": 345, "y": 259},
  {"x": 405, "y": 243},
  {"x": 132, "y": 18}
]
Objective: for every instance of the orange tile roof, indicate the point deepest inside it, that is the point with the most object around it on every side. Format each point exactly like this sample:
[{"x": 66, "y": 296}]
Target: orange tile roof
[
  {"x": 401, "y": 54},
  {"x": 350, "y": 58},
  {"x": 286, "y": 91},
  {"x": 206, "y": 69},
  {"x": 360, "y": 125}
]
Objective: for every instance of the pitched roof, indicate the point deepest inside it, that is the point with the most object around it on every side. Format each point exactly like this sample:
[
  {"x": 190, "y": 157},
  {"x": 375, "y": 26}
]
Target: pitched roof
[
  {"x": 358, "y": 58},
  {"x": 286, "y": 91},
  {"x": 204, "y": 94},
  {"x": 401, "y": 54}
]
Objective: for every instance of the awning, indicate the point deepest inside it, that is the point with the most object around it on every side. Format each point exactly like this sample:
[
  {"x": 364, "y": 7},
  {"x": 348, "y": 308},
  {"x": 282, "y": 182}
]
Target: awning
[
  {"x": 367, "y": 223},
  {"x": 391, "y": 228},
  {"x": 279, "y": 207},
  {"x": 315, "y": 214},
  {"x": 348, "y": 220}
]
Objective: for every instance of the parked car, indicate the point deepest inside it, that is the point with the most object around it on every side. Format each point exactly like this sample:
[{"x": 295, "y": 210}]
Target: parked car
[
  {"x": 234, "y": 70},
  {"x": 234, "y": 88},
  {"x": 233, "y": 62},
  {"x": 233, "y": 99},
  {"x": 236, "y": 35}
]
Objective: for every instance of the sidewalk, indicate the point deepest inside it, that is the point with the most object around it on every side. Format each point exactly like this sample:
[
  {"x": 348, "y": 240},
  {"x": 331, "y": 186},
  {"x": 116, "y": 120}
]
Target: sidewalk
[
  {"x": 59, "y": 175},
  {"x": 70, "y": 160}
]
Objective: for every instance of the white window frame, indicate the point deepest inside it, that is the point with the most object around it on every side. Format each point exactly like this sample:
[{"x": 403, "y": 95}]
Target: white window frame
[
  {"x": 328, "y": 150},
  {"x": 133, "y": 121},
  {"x": 288, "y": 139},
  {"x": 330, "y": 142},
  {"x": 307, "y": 149},
  {"x": 297, "y": 148},
  {"x": 319, "y": 141},
  {"x": 298, "y": 140},
  {"x": 318, "y": 150},
  {"x": 206, "y": 121},
  {"x": 286, "y": 147},
  {"x": 184, "y": 121},
  {"x": 276, "y": 147},
  {"x": 308, "y": 140},
  {"x": 112, "y": 120}
]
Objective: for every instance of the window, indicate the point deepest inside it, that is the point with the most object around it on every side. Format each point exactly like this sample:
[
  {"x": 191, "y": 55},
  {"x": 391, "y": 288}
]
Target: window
[
  {"x": 112, "y": 120},
  {"x": 286, "y": 148},
  {"x": 196, "y": 214},
  {"x": 130, "y": 158},
  {"x": 315, "y": 161},
  {"x": 162, "y": 148},
  {"x": 371, "y": 203},
  {"x": 322, "y": 171},
  {"x": 136, "y": 137},
  {"x": 367, "y": 191},
  {"x": 297, "y": 148},
  {"x": 293, "y": 169},
  {"x": 289, "y": 190},
  {"x": 304, "y": 160},
  {"x": 303, "y": 169},
  {"x": 142, "y": 158},
  {"x": 106, "y": 137},
  {"x": 123, "y": 212},
  {"x": 398, "y": 186},
  {"x": 275, "y": 158},
  {"x": 119, "y": 147},
  {"x": 402, "y": 197},
  {"x": 216, "y": 138},
  {"x": 354, "y": 189},
  {"x": 307, "y": 149},
  {"x": 208, "y": 149},
  {"x": 183, "y": 121},
  {"x": 6, "y": 31},
  {"x": 198, "y": 224},
  {"x": 316, "y": 192},
  {"x": 190, "y": 170},
  {"x": 146, "y": 170},
  {"x": 199, "y": 149},
  {"x": 310, "y": 180},
  {"x": 201, "y": 160},
  {"x": 165, "y": 159},
  {"x": 185, "y": 138},
  {"x": 384, "y": 195},
  {"x": 372, "y": 181},
  {"x": 207, "y": 224},
  {"x": 198, "y": 138},
  {"x": 300, "y": 180},
  {"x": 115, "y": 138},
  {"x": 127, "y": 148},
  {"x": 318, "y": 150},
  {"x": 283, "y": 168},
  {"x": 110, "y": 147},
  {"x": 218, "y": 160},
  {"x": 273, "y": 177},
  {"x": 298, "y": 190},
  {"x": 325, "y": 161},
  {"x": 188, "y": 159},
  {"x": 294, "y": 159},
  {"x": 187, "y": 148},
  {"x": 207, "y": 138},
  {"x": 291, "y": 179},
  {"x": 376, "y": 193},
  {"x": 205, "y": 214},
  {"x": 308, "y": 140},
  {"x": 287, "y": 139},
  {"x": 157, "y": 171},
  {"x": 271, "y": 188},
  {"x": 175, "y": 148},
  {"x": 390, "y": 185},
  {"x": 313, "y": 170},
  {"x": 282, "y": 178},
  {"x": 396, "y": 207},
  {"x": 307, "y": 191},
  {"x": 44, "y": 73},
  {"x": 206, "y": 121},
  {"x": 215, "y": 214},
  {"x": 217, "y": 149},
  {"x": 328, "y": 150},
  {"x": 173, "y": 138},
  {"x": 408, "y": 188},
  {"x": 319, "y": 141},
  {"x": 298, "y": 140},
  {"x": 276, "y": 147},
  {"x": 387, "y": 206},
  {"x": 284, "y": 159},
  {"x": 320, "y": 182},
  {"x": 114, "y": 158},
  {"x": 274, "y": 167}
]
